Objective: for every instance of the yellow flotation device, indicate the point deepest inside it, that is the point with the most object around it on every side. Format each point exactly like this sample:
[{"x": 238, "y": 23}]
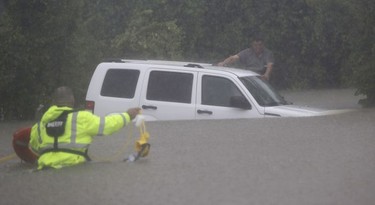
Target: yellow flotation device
[{"x": 142, "y": 147}]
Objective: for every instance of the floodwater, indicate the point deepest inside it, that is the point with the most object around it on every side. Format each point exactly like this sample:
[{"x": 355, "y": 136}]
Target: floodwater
[{"x": 291, "y": 161}]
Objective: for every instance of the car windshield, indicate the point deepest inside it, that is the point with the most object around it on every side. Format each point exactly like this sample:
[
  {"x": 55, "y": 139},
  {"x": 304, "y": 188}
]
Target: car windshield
[{"x": 262, "y": 91}]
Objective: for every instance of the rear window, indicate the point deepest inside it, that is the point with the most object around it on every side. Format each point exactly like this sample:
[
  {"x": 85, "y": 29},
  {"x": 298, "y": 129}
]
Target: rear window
[
  {"x": 170, "y": 86},
  {"x": 120, "y": 83}
]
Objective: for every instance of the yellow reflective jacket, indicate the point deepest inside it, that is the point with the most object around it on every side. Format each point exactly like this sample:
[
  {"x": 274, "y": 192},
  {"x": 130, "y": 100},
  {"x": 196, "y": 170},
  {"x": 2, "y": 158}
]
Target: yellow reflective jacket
[{"x": 80, "y": 128}]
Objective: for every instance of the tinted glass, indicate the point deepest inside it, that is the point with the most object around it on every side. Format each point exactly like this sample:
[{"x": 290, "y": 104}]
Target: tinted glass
[
  {"x": 262, "y": 91},
  {"x": 170, "y": 86},
  {"x": 218, "y": 91},
  {"x": 120, "y": 83}
]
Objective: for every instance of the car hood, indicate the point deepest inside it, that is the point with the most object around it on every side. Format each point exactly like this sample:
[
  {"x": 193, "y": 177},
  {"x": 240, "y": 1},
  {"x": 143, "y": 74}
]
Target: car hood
[{"x": 299, "y": 111}]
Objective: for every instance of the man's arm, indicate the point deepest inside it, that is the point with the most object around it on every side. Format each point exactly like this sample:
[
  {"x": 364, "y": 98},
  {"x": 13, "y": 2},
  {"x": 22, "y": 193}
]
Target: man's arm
[
  {"x": 267, "y": 74},
  {"x": 229, "y": 60}
]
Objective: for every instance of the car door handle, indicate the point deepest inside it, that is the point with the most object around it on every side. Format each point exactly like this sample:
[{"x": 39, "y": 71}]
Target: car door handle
[
  {"x": 204, "y": 112},
  {"x": 149, "y": 107}
]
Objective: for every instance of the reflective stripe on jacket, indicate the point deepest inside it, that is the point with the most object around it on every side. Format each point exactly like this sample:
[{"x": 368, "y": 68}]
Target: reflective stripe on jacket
[{"x": 80, "y": 128}]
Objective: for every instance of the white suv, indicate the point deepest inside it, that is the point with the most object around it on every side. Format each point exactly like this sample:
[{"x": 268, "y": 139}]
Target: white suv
[{"x": 170, "y": 90}]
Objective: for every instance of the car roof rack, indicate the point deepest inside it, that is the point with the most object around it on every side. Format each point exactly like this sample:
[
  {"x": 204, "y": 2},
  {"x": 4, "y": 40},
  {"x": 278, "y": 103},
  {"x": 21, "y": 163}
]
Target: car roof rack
[
  {"x": 113, "y": 60},
  {"x": 193, "y": 65},
  {"x": 160, "y": 62}
]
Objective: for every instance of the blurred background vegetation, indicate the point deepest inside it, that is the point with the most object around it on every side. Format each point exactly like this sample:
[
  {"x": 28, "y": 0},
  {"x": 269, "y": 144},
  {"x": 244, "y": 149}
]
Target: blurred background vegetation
[{"x": 48, "y": 43}]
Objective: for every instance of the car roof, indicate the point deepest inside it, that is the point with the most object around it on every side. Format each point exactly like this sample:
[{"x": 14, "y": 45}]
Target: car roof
[{"x": 191, "y": 65}]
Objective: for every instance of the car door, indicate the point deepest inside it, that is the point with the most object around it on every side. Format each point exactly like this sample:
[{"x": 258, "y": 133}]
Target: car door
[
  {"x": 217, "y": 97},
  {"x": 169, "y": 94}
]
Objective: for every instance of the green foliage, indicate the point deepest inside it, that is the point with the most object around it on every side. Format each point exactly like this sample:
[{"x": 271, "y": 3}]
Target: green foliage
[
  {"x": 146, "y": 38},
  {"x": 45, "y": 44},
  {"x": 362, "y": 60},
  {"x": 364, "y": 77}
]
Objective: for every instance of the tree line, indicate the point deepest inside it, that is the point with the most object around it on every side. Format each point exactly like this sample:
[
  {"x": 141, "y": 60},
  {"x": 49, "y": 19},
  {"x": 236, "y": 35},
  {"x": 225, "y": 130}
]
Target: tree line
[{"x": 48, "y": 43}]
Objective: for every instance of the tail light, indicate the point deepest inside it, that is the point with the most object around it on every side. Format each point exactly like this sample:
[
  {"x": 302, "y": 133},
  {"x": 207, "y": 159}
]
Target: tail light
[{"x": 90, "y": 105}]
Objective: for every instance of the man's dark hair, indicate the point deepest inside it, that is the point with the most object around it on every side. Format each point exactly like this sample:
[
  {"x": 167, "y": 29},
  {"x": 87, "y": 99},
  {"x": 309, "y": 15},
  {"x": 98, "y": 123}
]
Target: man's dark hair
[
  {"x": 63, "y": 96},
  {"x": 257, "y": 37}
]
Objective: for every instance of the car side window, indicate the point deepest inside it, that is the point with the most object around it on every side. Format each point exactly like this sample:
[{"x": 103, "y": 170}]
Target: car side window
[
  {"x": 170, "y": 86},
  {"x": 120, "y": 83},
  {"x": 218, "y": 91}
]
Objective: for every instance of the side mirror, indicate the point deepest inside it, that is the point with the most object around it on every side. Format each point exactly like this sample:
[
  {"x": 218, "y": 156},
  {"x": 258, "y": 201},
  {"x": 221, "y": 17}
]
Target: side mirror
[{"x": 240, "y": 102}]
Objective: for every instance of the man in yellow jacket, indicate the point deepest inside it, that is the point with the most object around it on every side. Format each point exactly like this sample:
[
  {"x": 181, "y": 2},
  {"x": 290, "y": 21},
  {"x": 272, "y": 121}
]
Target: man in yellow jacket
[{"x": 62, "y": 137}]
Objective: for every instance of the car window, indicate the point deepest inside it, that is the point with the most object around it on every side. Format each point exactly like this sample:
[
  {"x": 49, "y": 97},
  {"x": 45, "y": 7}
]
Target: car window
[
  {"x": 262, "y": 91},
  {"x": 170, "y": 86},
  {"x": 120, "y": 83},
  {"x": 218, "y": 91}
]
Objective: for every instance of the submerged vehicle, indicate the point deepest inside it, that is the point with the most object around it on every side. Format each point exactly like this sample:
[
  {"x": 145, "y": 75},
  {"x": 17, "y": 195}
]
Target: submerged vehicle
[{"x": 173, "y": 90}]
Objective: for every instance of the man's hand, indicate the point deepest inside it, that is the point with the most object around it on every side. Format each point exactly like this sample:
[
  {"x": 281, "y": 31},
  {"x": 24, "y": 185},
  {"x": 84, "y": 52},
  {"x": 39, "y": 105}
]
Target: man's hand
[
  {"x": 229, "y": 60},
  {"x": 133, "y": 112},
  {"x": 221, "y": 64},
  {"x": 265, "y": 77}
]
